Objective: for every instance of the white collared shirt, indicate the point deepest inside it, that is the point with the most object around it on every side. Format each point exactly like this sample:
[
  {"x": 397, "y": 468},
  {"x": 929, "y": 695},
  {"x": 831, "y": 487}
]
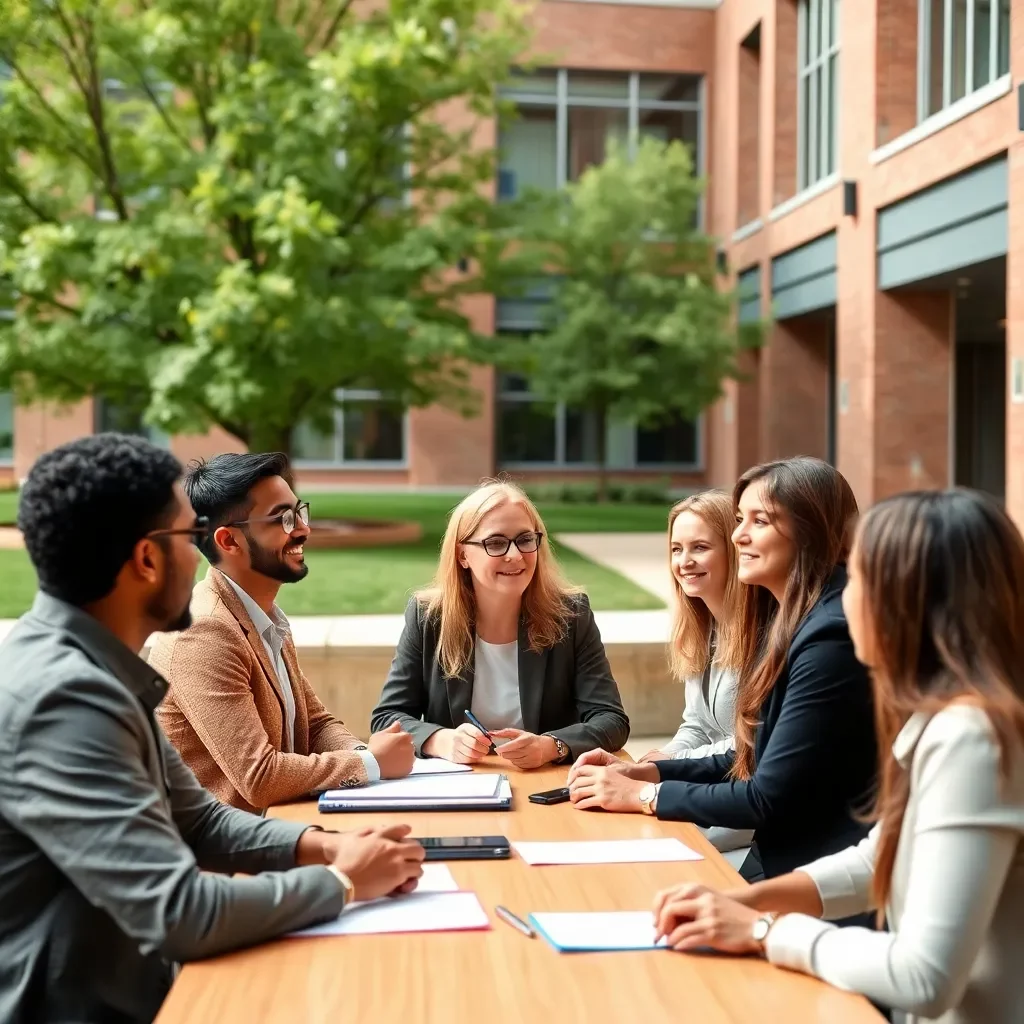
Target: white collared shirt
[
  {"x": 496, "y": 700},
  {"x": 273, "y": 632},
  {"x": 956, "y": 905}
]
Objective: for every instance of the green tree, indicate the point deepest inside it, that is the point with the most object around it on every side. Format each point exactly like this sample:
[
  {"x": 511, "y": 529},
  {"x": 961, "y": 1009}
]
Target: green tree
[
  {"x": 639, "y": 327},
  {"x": 204, "y": 204}
]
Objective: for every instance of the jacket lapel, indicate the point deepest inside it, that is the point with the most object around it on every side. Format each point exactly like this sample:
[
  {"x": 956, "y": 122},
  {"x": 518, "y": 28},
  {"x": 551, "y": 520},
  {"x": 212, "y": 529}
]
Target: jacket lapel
[
  {"x": 300, "y": 737},
  {"x": 227, "y": 594},
  {"x": 532, "y": 669},
  {"x": 460, "y": 691}
]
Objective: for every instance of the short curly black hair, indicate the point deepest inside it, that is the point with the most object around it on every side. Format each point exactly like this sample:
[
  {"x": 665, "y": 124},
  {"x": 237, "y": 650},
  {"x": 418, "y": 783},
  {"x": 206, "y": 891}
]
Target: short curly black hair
[{"x": 86, "y": 504}]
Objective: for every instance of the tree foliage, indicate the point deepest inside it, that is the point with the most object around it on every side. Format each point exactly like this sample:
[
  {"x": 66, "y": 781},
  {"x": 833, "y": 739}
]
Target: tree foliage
[{"x": 204, "y": 204}]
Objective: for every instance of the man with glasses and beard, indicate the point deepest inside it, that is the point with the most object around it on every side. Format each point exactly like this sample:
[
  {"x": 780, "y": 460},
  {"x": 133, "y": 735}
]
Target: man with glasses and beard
[
  {"x": 239, "y": 710},
  {"x": 114, "y": 863}
]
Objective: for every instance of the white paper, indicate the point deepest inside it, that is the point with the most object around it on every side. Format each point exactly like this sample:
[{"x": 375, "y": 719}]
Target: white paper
[
  {"x": 437, "y": 766},
  {"x": 423, "y": 787},
  {"x": 607, "y": 851},
  {"x": 618, "y": 930},
  {"x": 417, "y": 912}
]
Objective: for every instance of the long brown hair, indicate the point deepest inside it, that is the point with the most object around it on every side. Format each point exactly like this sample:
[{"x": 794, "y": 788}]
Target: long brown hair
[
  {"x": 692, "y": 622},
  {"x": 819, "y": 510},
  {"x": 546, "y": 601},
  {"x": 944, "y": 613}
]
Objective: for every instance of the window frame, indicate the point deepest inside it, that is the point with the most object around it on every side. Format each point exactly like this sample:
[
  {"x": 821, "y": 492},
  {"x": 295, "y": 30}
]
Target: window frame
[
  {"x": 339, "y": 461},
  {"x": 812, "y": 154}
]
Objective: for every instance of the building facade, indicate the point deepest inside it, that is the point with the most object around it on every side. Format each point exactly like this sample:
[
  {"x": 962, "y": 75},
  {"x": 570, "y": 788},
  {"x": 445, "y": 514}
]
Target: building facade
[{"x": 866, "y": 181}]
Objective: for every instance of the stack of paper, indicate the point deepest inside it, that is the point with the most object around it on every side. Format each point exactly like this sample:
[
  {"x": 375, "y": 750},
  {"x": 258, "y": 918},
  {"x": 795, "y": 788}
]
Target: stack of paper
[
  {"x": 437, "y": 766},
  {"x": 580, "y": 933},
  {"x": 435, "y": 906},
  {"x": 607, "y": 851},
  {"x": 450, "y": 791}
]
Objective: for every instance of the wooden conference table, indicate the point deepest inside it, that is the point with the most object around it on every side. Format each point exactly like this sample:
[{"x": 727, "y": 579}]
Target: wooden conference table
[{"x": 468, "y": 977}]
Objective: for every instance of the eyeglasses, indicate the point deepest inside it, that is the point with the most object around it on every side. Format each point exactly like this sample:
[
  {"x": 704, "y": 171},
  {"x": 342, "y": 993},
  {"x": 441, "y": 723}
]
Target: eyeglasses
[
  {"x": 198, "y": 533},
  {"x": 288, "y": 519},
  {"x": 497, "y": 545}
]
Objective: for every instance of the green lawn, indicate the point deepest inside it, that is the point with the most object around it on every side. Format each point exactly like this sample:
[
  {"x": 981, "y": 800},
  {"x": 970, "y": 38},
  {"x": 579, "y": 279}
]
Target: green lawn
[{"x": 379, "y": 580}]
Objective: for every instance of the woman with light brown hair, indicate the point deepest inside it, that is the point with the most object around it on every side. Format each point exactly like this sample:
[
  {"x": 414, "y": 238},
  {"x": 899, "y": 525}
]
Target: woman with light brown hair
[
  {"x": 936, "y": 609},
  {"x": 805, "y": 760},
  {"x": 501, "y": 635}
]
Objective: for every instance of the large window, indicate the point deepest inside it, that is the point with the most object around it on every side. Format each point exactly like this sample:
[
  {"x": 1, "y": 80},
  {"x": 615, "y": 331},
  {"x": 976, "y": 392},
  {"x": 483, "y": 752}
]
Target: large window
[
  {"x": 124, "y": 419},
  {"x": 6, "y": 426},
  {"x": 367, "y": 431},
  {"x": 535, "y": 433},
  {"x": 963, "y": 45},
  {"x": 818, "y": 88},
  {"x": 566, "y": 119}
]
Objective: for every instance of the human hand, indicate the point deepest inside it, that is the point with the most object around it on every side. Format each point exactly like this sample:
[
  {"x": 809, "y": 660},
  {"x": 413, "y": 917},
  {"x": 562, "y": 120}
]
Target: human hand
[
  {"x": 464, "y": 745},
  {"x": 604, "y": 788},
  {"x": 694, "y": 917},
  {"x": 652, "y": 756},
  {"x": 380, "y": 861},
  {"x": 394, "y": 751},
  {"x": 600, "y": 758},
  {"x": 526, "y": 750}
]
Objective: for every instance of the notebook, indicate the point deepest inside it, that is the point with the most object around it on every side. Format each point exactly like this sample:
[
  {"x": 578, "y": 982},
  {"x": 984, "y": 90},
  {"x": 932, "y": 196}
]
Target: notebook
[
  {"x": 449, "y": 792},
  {"x": 598, "y": 932}
]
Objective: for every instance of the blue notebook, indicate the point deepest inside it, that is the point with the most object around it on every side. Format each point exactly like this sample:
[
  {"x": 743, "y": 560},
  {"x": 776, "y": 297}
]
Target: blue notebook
[{"x": 614, "y": 931}]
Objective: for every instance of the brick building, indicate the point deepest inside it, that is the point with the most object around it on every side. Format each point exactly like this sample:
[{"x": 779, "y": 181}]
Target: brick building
[{"x": 866, "y": 174}]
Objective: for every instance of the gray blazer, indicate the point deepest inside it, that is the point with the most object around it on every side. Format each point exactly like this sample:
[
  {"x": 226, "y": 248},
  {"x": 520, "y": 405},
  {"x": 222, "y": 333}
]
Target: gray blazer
[{"x": 566, "y": 691}]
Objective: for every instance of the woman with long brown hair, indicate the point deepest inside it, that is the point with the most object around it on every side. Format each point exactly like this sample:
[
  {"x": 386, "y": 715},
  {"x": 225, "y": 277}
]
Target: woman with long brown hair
[
  {"x": 936, "y": 610},
  {"x": 804, "y": 762},
  {"x": 501, "y": 635}
]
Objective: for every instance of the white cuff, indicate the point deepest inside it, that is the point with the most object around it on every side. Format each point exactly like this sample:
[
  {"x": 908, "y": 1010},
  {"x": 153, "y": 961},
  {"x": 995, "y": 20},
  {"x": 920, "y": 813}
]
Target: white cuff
[
  {"x": 836, "y": 888},
  {"x": 791, "y": 940},
  {"x": 370, "y": 764}
]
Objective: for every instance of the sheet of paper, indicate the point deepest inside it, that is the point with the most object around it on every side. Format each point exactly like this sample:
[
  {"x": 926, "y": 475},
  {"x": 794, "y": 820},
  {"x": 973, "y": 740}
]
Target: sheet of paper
[
  {"x": 417, "y": 912},
  {"x": 438, "y": 766},
  {"x": 607, "y": 851},
  {"x": 423, "y": 787},
  {"x": 580, "y": 933}
]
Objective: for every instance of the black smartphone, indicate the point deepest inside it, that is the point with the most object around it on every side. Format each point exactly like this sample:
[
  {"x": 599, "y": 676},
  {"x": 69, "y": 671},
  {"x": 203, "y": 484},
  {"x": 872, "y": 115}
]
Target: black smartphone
[
  {"x": 466, "y": 848},
  {"x": 551, "y": 796}
]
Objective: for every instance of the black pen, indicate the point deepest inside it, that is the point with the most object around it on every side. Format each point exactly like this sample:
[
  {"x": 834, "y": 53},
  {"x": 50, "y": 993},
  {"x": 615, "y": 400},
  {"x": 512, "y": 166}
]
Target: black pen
[
  {"x": 509, "y": 918},
  {"x": 475, "y": 722}
]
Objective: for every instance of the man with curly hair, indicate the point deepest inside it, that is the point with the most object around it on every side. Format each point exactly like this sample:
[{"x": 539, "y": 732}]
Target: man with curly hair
[{"x": 115, "y": 864}]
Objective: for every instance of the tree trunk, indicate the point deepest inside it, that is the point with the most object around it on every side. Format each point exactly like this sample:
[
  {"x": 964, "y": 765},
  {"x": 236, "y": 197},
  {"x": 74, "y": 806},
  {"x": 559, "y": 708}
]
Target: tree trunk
[
  {"x": 602, "y": 455},
  {"x": 264, "y": 438}
]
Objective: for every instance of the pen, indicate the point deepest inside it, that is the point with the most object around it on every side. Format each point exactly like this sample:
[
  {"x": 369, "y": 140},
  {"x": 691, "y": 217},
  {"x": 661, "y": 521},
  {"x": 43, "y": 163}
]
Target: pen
[
  {"x": 509, "y": 918},
  {"x": 475, "y": 722}
]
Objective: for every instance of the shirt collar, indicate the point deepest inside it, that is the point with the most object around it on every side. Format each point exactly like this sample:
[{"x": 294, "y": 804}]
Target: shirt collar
[
  {"x": 906, "y": 740},
  {"x": 260, "y": 619},
  {"x": 103, "y": 647}
]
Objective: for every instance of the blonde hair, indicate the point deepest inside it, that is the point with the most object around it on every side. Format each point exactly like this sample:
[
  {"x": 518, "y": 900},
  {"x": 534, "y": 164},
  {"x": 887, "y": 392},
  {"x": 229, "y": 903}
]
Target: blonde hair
[
  {"x": 692, "y": 621},
  {"x": 546, "y": 607}
]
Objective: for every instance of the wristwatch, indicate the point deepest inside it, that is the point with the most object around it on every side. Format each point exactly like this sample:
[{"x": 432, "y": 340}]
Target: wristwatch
[
  {"x": 345, "y": 881},
  {"x": 762, "y": 926},
  {"x": 563, "y": 751},
  {"x": 649, "y": 797}
]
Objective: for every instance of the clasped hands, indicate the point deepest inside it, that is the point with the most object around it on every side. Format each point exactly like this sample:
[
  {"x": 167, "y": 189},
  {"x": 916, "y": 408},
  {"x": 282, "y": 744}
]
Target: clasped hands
[
  {"x": 601, "y": 781},
  {"x": 466, "y": 745}
]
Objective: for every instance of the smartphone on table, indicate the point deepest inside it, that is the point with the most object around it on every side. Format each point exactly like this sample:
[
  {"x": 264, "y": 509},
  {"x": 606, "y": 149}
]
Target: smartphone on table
[
  {"x": 550, "y": 796},
  {"x": 465, "y": 848}
]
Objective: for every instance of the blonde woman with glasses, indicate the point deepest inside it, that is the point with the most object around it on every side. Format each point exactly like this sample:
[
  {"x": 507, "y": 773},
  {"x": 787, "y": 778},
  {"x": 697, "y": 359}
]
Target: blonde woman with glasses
[{"x": 500, "y": 637}]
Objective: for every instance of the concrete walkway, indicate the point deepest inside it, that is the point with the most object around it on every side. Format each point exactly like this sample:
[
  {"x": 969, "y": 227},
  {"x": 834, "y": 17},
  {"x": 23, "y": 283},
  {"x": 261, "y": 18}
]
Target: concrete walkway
[{"x": 640, "y": 557}]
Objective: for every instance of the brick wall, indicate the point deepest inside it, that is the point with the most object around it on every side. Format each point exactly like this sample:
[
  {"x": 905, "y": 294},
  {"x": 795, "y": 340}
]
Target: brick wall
[
  {"x": 748, "y": 150},
  {"x": 896, "y": 68},
  {"x": 785, "y": 128}
]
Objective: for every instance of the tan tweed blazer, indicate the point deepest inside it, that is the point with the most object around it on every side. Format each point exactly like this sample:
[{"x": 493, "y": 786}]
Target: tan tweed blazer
[{"x": 224, "y": 711}]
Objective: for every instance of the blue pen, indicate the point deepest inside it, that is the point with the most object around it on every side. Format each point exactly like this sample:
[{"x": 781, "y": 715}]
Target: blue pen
[{"x": 475, "y": 722}]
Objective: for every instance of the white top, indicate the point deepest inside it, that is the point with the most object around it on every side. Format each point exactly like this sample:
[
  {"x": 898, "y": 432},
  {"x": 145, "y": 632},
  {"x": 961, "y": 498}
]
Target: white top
[
  {"x": 496, "y": 685},
  {"x": 955, "y": 952},
  {"x": 273, "y": 632}
]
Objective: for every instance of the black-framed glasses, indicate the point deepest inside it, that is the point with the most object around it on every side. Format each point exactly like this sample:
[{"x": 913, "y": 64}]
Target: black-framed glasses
[
  {"x": 198, "y": 533},
  {"x": 288, "y": 519},
  {"x": 496, "y": 545}
]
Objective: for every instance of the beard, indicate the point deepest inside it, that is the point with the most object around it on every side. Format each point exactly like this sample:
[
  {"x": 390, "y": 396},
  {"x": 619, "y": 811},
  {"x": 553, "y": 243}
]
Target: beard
[
  {"x": 166, "y": 608},
  {"x": 270, "y": 563}
]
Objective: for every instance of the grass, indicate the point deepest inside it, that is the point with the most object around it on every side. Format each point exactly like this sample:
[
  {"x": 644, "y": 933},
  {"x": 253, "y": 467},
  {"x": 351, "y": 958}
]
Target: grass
[{"x": 379, "y": 580}]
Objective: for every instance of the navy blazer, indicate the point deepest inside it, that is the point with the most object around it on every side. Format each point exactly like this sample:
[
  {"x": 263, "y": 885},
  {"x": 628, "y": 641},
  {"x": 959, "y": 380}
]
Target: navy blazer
[
  {"x": 815, "y": 753},
  {"x": 566, "y": 690}
]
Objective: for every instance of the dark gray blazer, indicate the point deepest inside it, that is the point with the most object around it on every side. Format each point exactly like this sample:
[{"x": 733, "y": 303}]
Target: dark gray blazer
[{"x": 566, "y": 691}]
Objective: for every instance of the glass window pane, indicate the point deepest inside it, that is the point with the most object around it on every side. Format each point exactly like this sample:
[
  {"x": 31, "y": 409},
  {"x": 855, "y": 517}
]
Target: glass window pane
[
  {"x": 598, "y": 85},
  {"x": 833, "y": 23},
  {"x": 6, "y": 425},
  {"x": 590, "y": 131},
  {"x": 982, "y": 29},
  {"x": 526, "y": 432},
  {"x": 1003, "y": 43},
  {"x": 119, "y": 419},
  {"x": 833, "y": 119},
  {"x": 666, "y": 125},
  {"x": 958, "y": 85},
  {"x": 670, "y": 88},
  {"x": 816, "y": 27},
  {"x": 936, "y": 56},
  {"x": 674, "y": 443},
  {"x": 537, "y": 83},
  {"x": 513, "y": 384},
  {"x": 582, "y": 435},
  {"x": 312, "y": 445},
  {"x": 372, "y": 433},
  {"x": 527, "y": 150}
]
